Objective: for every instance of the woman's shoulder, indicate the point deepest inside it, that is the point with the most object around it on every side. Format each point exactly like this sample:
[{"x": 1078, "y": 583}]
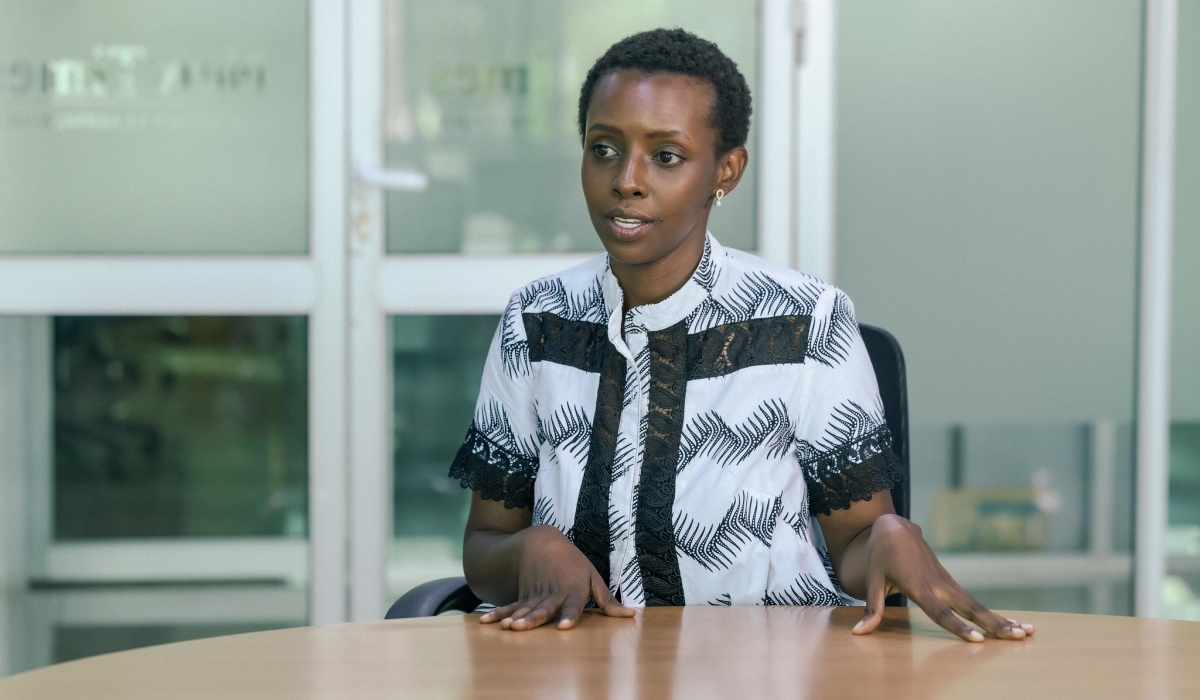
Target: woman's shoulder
[
  {"x": 575, "y": 294},
  {"x": 775, "y": 289}
]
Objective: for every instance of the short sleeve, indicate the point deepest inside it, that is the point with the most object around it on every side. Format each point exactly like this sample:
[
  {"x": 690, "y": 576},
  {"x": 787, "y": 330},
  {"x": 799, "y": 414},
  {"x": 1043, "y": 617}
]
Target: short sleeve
[
  {"x": 842, "y": 441},
  {"x": 499, "y": 457}
]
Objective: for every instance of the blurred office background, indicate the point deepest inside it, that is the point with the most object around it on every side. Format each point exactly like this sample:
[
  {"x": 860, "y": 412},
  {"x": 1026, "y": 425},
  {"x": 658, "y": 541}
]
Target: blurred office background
[{"x": 252, "y": 255}]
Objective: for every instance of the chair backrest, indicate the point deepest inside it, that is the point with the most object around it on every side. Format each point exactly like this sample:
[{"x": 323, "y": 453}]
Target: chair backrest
[{"x": 888, "y": 361}]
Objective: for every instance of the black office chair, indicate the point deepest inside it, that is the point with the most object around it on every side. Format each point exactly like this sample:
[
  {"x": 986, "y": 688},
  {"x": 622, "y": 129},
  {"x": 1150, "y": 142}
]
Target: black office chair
[{"x": 447, "y": 594}]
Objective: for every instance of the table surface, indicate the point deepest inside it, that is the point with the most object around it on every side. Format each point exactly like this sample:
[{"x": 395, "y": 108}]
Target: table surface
[{"x": 695, "y": 652}]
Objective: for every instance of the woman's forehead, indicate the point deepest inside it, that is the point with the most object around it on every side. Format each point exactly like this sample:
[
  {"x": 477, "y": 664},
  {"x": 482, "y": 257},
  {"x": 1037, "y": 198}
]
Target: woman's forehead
[{"x": 654, "y": 101}]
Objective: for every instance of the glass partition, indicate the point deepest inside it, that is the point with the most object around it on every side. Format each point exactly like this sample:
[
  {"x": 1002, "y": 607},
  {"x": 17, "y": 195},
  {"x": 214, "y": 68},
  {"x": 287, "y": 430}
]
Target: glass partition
[
  {"x": 482, "y": 97},
  {"x": 987, "y": 216},
  {"x": 1181, "y": 597},
  {"x": 180, "y": 426},
  {"x": 437, "y": 366},
  {"x": 154, "y": 127}
]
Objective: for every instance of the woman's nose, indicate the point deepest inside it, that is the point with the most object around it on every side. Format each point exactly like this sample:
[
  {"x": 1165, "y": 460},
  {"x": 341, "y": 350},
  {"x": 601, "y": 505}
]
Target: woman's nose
[{"x": 630, "y": 182}]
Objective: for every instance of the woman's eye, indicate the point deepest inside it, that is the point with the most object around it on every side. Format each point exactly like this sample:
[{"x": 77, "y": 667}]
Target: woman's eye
[
  {"x": 668, "y": 158},
  {"x": 603, "y": 151}
]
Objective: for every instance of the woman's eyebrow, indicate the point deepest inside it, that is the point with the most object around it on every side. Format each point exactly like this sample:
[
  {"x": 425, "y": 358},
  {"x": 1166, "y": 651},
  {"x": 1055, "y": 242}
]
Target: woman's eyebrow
[
  {"x": 666, "y": 134},
  {"x": 605, "y": 127}
]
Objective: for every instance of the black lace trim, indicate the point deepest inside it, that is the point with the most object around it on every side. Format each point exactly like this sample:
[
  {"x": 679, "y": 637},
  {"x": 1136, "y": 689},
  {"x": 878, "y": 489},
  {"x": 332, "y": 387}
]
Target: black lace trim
[
  {"x": 578, "y": 344},
  {"x": 496, "y": 473},
  {"x": 852, "y": 472},
  {"x": 759, "y": 341},
  {"x": 654, "y": 536},
  {"x": 591, "y": 531}
]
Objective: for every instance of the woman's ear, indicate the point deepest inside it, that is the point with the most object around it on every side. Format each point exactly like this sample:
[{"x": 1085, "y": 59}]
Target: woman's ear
[{"x": 730, "y": 168}]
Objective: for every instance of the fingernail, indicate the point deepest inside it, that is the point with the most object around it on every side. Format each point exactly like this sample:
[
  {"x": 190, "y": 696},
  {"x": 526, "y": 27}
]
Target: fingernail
[
  {"x": 1017, "y": 631},
  {"x": 975, "y": 636},
  {"x": 1026, "y": 626},
  {"x": 858, "y": 626}
]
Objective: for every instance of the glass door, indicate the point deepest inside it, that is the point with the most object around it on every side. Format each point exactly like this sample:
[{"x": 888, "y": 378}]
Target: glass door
[
  {"x": 467, "y": 158},
  {"x": 171, "y": 303}
]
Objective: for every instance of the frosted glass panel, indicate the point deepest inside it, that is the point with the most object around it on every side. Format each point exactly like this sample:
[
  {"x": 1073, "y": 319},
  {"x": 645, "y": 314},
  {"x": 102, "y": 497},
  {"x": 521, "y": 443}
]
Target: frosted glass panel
[
  {"x": 1185, "y": 333},
  {"x": 141, "y": 126},
  {"x": 482, "y": 97},
  {"x": 987, "y": 200},
  {"x": 1181, "y": 596},
  {"x": 987, "y": 216}
]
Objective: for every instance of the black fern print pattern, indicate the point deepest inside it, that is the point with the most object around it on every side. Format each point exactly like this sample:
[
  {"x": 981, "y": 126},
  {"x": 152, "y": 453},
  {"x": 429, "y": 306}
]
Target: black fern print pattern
[
  {"x": 755, "y": 295},
  {"x": 707, "y": 271},
  {"x": 716, "y": 546},
  {"x": 568, "y": 429},
  {"x": 708, "y": 435},
  {"x": 831, "y": 336},
  {"x": 848, "y": 422},
  {"x": 514, "y": 348},
  {"x": 805, "y": 590},
  {"x": 550, "y": 295},
  {"x": 722, "y": 600},
  {"x": 800, "y": 523},
  {"x": 543, "y": 514},
  {"x": 492, "y": 420}
]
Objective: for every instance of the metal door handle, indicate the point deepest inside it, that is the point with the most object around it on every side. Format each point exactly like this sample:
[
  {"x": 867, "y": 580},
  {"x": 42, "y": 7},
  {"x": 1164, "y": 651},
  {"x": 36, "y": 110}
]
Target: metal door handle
[{"x": 392, "y": 179}]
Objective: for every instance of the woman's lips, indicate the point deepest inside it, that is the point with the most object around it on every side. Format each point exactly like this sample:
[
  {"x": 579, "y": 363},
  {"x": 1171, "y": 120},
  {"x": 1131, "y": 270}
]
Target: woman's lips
[{"x": 627, "y": 228}]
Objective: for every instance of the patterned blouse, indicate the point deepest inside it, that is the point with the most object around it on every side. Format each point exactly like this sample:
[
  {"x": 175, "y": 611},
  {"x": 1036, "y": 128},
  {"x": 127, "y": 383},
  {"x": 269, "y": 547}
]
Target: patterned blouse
[{"x": 685, "y": 459}]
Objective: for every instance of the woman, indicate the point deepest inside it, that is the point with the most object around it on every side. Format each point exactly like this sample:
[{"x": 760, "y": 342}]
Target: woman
[{"x": 659, "y": 425}]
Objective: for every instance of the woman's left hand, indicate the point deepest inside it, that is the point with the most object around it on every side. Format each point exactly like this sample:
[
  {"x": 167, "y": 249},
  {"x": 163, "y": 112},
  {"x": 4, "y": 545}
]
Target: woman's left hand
[
  {"x": 876, "y": 553},
  {"x": 900, "y": 561}
]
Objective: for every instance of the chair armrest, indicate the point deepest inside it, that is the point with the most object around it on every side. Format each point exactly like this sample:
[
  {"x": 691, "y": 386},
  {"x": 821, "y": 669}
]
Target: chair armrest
[{"x": 434, "y": 598}]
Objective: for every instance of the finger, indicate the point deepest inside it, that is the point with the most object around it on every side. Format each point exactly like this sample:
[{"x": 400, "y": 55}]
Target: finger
[
  {"x": 497, "y": 614},
  {"x": 540, "y": 615},
  {"x": 1000, "y": 628},
  {"x": 523, "y": 608},
  {"x": 1029, "y": 629},
  {"x": 605, "y": 600},
  {"x": 940, "y": 613},
  {"x": 876, "y": 597},
  {"x": 572, "y": 608}
]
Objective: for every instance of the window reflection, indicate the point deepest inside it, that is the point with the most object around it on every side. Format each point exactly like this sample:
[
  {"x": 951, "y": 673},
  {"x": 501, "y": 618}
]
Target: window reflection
[{"x": 180, "y": 426}]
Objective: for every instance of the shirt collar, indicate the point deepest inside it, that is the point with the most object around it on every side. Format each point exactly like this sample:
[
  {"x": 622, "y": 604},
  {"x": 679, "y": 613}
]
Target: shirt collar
[{"x": 673, "y": 309}]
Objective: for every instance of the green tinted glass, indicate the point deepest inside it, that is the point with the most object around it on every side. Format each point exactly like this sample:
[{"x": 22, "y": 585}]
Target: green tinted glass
[
  {"x": 438, "y": 362},
  {"x": 180, "y": 426}
]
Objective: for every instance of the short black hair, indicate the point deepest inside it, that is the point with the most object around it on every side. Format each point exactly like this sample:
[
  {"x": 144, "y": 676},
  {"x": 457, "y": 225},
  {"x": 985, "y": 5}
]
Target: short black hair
[{"x": 681, "y": 52}]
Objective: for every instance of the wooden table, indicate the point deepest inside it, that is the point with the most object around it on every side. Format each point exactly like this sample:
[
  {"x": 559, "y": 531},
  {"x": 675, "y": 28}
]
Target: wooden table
[{"x": 744, "y": 653}]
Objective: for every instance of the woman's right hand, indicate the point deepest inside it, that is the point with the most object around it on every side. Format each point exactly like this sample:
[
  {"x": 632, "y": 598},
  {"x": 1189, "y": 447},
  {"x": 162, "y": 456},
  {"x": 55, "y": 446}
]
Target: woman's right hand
[{"x": 554, "y": 580}]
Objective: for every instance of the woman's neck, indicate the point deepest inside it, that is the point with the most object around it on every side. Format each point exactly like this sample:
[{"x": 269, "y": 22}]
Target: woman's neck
[{"x": 651, "y": 282}]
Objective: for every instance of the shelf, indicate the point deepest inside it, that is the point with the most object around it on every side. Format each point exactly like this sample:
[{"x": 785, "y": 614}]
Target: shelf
[{"x": 1036, "y": 570}]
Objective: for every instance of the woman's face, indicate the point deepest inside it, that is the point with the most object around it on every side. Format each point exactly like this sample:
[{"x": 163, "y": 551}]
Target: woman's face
[{"x": 649, "y": 163}]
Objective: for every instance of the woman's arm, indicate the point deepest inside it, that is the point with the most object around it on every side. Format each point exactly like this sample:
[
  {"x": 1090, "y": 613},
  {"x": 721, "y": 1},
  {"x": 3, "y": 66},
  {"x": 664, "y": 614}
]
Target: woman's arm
[
  {"x": 534, "y": 574},
  {"x": 876, "y": 552}
]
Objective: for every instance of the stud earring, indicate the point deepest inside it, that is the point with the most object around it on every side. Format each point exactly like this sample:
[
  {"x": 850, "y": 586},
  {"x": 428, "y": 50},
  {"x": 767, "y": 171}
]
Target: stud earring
[{"x": 718, "y": 196}]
